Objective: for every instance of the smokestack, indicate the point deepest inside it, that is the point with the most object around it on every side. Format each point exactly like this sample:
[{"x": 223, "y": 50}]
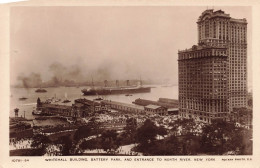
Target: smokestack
[
  {"x": 117, "y": 83},
  {"x": 127, "y": 82},
  {"x": 105, "y": 82},
  {"x": 16, "y": 112}
]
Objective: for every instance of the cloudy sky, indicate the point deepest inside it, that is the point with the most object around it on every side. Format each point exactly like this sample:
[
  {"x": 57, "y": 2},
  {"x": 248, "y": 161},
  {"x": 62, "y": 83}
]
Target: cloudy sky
[{"x": 105, "y": 42}]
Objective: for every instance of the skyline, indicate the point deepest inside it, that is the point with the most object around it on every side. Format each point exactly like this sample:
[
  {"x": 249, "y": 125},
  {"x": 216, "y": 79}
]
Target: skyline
[{"x": 62, "y": 44}]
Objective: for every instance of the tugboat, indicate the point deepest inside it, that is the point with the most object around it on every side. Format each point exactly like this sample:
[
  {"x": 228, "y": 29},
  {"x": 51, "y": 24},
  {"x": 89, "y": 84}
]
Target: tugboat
[
  {"x": 99, "y": 99},
  {"x": 22, "y": 98},
  {"x": 66, "y": 100},
  {"x": 55, "y": 99},
  {"x": 40, "y": 90}
]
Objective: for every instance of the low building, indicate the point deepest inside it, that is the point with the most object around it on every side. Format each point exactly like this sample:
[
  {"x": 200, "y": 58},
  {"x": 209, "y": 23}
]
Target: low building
[
  {"x": 56, "y": 109},
  {"x": 80, "y": 108},
  {"x": 85, "y": 107},
  {"x": 124, "y": 107},
  {"x": 154, "y": 109},
  {"x": 173, "y": 111}
]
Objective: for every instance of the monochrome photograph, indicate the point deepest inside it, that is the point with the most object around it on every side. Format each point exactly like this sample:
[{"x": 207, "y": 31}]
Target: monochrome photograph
[{"x": 130, "y": 81}]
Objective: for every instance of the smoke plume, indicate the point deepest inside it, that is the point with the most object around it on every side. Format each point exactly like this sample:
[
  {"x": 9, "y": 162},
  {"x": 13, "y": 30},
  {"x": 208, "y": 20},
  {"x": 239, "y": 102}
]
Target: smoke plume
[{"x": 33, "y": 80}]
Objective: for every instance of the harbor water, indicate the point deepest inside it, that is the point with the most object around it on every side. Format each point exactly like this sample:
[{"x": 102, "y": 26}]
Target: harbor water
[{"x": 71, "y": 93}]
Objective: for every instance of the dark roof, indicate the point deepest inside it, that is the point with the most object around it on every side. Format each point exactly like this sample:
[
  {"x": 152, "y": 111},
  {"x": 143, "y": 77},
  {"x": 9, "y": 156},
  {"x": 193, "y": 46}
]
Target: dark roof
[
  {"x": 57, "y": 106},
  {"x": 86, "y": 101}
]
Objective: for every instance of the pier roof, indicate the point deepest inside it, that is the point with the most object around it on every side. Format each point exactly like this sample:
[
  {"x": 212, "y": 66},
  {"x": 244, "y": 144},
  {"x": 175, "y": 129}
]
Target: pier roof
[{"x": 151, "y": 106}]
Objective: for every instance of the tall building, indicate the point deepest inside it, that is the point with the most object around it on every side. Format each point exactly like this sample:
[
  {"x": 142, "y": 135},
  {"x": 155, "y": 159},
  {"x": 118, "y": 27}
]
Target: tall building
[{"x": 213, "y": 73}]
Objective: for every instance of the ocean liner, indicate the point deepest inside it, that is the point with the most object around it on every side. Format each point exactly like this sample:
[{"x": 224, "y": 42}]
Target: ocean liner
[{"x": 116, "y": 90}]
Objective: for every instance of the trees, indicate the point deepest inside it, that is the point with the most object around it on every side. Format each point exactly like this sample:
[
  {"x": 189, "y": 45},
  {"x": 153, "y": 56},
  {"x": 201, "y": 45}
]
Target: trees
[
  {"x": 186, "y": 126},
  {"x": 109, "y": 141},
  {"x": 89, "y": 144},
  {"x": 221, "y": 137},
  {"x": 168, "y": 146},
  {"x": 41, "y": 142},
  {"x": 130, "y": 130},
  {"x": 161, "y": 131},
  {"x": 95, "y": 125},
  {"x": 66, "y": 143},
  {"x": 82, "y": 132},
  {"x": 146, "y": 134}
]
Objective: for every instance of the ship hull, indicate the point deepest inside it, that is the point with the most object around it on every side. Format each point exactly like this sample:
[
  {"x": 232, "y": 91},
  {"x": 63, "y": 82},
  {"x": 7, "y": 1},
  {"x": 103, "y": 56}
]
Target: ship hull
[{"x": 116, "y": 91}]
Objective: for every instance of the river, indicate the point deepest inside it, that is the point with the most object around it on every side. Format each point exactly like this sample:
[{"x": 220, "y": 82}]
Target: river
[{"x": 26, "y": 106}]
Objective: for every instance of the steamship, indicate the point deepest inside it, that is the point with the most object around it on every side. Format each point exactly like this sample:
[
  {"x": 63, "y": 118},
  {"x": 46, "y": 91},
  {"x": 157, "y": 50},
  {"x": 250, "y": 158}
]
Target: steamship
[{"x": 116, "y": 90}]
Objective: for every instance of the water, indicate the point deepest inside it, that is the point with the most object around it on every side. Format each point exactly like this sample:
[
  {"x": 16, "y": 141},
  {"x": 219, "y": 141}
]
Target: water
[{"x": 72, "y": 93}]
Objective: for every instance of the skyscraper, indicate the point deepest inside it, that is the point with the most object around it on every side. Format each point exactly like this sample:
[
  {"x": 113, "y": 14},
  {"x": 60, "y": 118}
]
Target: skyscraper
[{"x": 213, "y": 73}]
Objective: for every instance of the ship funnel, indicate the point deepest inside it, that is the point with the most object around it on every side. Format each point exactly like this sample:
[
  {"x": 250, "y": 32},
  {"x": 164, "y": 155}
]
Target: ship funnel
[
  {"x": 117, "y": 83},
  {"x": 127, "y": 83},
  {"x": 105, "y": 82}
]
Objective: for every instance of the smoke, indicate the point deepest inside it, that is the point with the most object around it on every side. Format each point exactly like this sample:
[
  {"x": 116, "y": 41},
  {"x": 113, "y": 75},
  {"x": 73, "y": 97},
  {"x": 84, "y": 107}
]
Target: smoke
[
  {"x": 33, "y": 80},
  {"x": 82, "y": 74},
  {"x": 65, "y": 75}
]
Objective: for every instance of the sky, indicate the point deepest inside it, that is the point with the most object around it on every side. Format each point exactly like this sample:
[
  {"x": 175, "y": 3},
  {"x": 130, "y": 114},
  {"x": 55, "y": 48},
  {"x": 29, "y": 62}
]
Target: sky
[{"x": 113, "y": 43}]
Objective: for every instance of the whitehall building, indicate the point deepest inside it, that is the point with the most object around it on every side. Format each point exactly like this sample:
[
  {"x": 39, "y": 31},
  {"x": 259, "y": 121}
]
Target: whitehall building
[{"x": 213, "y": 73}]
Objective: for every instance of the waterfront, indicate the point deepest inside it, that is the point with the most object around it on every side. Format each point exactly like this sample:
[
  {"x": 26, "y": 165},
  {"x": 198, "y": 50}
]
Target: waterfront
[{"x": 75, "y": 93}]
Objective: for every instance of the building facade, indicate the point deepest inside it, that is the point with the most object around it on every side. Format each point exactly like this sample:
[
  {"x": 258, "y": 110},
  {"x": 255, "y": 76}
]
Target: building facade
[
  {"x": 154, "y": 109},
  {"x": 85, "y": 107},
  {"x": 213, "y": 74}
]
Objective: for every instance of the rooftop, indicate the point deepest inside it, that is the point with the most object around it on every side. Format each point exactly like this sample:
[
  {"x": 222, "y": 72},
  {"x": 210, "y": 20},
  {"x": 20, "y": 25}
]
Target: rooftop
[
  {"x": 151, "y": 106},
  {"x": 56, "y": 106},
  {"x": 210, "y": 13},
  {"x": 173, "y": 109},
  {"x": 123, "y": 104}
]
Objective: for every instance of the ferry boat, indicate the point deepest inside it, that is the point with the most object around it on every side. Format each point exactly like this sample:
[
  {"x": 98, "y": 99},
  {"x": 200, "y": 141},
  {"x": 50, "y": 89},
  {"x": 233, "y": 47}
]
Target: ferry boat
[{"x": 40, "y": 90}]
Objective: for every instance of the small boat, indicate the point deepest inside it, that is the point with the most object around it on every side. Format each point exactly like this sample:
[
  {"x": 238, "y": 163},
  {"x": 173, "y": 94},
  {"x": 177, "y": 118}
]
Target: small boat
[
  {"x": 23, "y": 98},
  {"x": 98, "y": 99},
  {"x": 56, "y": 100},
  {"x": 40, "y": 90},
  {"x": 128, "y": 95},
  {"x": 36, "y": 112},
  {"x": 66, "y": 101}
]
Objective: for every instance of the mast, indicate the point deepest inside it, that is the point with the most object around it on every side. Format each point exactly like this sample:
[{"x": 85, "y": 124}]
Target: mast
[{"x": 92, "y": 82}]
